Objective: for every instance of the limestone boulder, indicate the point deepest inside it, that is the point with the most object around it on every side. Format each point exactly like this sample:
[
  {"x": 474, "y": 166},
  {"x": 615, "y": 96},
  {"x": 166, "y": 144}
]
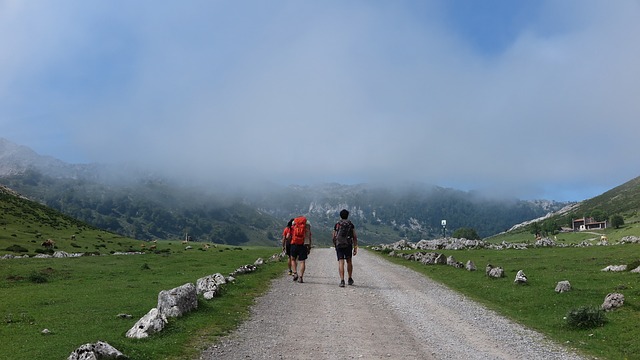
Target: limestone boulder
[
  {"x": 178, "y": 301},
  {"x": 521, "y": 278},
  {"x": 615, "y": 268},
  {"x": 612, "y": 301},
  {"x": 149, "y": 324},
  {"x": 209, "y": 286},
  {"x": 97, "y": 351},
  {"x": 470, "y": 266},
  {"x": 563, "y": 286},
  {"x": 494, "y": 271}
]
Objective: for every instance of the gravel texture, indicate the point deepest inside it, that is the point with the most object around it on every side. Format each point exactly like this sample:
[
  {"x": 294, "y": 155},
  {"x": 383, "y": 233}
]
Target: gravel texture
[{"x": 390, "y": 312}]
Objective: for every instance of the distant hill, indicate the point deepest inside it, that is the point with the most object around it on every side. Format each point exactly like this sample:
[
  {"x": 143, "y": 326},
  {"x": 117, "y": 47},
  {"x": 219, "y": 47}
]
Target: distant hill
[
  {"x": 622, "y": 201},
  {"x": 145, "y": 206}
]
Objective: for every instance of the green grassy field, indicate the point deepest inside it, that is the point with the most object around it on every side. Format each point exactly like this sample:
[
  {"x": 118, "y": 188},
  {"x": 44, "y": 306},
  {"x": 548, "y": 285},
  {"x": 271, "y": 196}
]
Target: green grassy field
[
  {"x": 538, "y": 306},
  {"x": 78, "y": 300}
]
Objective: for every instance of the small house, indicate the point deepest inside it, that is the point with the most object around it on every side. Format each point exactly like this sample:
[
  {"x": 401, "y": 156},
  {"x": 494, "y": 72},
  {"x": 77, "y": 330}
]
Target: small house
[{"x": 588, "y": 223}]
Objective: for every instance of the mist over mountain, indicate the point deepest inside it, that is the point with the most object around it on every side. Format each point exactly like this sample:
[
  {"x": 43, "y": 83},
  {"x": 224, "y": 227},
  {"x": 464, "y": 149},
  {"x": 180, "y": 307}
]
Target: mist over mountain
[{"x": 144, "y": 205}]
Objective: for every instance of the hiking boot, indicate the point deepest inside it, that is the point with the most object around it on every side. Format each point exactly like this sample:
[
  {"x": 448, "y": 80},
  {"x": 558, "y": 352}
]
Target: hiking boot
[
  {"x": 350, "y": 281},
  {"x": 290, "y": 272},
  {"x": 341, "y": 283},
  {"x": 300, "y": 281},
  {"x": 295, "y": 277}
]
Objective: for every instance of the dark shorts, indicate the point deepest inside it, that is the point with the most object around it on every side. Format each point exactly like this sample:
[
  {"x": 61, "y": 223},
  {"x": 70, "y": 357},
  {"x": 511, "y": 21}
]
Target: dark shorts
[
  {"x": 287, "y": 249},
  {"x": 345, "y": 252},
  {"x": 299, "y": 252}
]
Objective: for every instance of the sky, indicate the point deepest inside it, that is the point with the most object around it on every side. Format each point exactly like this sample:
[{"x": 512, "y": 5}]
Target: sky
[{"x": 531, "y": 99}]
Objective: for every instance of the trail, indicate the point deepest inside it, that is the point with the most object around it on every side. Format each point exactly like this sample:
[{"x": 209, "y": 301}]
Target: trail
[{"x": 391, "y": 312}]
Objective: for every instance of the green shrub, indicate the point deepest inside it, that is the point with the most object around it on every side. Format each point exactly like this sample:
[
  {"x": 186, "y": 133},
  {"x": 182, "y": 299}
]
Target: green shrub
[
  {"x": 586, "y": 317},
  {"x": 38, "y": 278},
  {"x": 17, "y": 248}
]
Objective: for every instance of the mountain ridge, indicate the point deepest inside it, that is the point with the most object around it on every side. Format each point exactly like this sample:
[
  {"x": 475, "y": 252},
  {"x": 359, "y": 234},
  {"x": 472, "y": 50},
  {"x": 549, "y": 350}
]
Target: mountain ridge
[{"x": 146, "y": 206}]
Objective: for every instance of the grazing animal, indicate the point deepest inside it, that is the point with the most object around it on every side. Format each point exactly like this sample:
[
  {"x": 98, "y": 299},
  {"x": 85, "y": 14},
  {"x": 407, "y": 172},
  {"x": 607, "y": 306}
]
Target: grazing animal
[{"x": 49, "y": 243}]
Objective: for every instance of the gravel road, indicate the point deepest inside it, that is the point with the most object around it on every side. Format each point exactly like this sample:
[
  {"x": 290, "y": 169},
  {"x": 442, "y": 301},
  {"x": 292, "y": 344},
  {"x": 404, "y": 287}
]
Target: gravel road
[{"x": 390, "y": 312}]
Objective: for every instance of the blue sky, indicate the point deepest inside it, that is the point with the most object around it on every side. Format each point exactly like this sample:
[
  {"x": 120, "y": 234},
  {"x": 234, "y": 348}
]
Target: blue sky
[{"x": 532, "y": 99}]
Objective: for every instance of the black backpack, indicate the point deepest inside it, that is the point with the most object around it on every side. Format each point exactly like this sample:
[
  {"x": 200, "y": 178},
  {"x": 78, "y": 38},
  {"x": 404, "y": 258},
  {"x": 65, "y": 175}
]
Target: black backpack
[{"x": 344, "y": 234}]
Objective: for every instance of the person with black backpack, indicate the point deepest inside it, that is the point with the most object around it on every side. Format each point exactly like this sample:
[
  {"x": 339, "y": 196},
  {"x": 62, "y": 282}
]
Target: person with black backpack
[{"x": 346, "y": 244}]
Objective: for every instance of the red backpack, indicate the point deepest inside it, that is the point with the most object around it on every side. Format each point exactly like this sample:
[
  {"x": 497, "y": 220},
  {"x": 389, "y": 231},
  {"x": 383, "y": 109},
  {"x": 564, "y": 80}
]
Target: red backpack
[{"x": 298, "y": 230}]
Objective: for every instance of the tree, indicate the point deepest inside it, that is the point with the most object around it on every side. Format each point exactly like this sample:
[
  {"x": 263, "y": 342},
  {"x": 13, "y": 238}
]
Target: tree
[
  {"x": 617, "y": 221},
  {"x": 466, "y": 233}
]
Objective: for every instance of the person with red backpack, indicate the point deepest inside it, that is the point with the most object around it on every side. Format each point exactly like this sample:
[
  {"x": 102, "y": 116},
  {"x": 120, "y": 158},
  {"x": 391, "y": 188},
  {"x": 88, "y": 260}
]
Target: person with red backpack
[
  {"x": 286, "y": 243},
  {"x": 300, "y": 231},
  {"x": 345, "y": 241}
]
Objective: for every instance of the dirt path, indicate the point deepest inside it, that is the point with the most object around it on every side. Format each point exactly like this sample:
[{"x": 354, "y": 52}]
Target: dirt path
[{"x": 391, "y": 312}]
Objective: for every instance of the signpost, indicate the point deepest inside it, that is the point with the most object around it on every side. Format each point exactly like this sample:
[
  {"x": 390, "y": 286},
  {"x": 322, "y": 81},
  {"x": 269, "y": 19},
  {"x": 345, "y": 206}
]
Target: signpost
[{"x": 444, "y": 228}]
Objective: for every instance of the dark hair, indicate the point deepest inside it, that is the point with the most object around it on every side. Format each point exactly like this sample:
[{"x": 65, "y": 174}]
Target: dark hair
[
  {"x": 290, "y": 223},
  {"x": 344, "y": 213}
]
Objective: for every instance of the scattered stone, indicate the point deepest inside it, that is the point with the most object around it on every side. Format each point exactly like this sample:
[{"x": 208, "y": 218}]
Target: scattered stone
[
  {"x": 563, "y": 286},
  {"x": 451, "y": 261},
  {"x": 630, "y": 240},
  {"x": 441, "y": 259},
  {"x": 151, "y": 323},
  {"x": 615, "y": 268},
  {"x": 521, "y": 278},
  {"x": 209, "y": 286},
  {"x": 61, "y": 254},
  {"x": 636, "y": 270},
  {"x": 98, "y": 351},
  {"x": 244, "y": 269},
  {"x": 178, "y": 301},
  {"x": 45, "y": 332},
  {"x": 612, "y": 301},
  {"x": 545, "y": 242},
  {"x": 259, "y": 262},
  {"x": 494, "y": 272},
  {"x": 124, "y": 316},
  {"x": 470, "y": 266}
]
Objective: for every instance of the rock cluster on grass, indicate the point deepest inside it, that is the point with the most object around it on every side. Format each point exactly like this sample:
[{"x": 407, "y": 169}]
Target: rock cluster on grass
[
  {"x": 463, "y": 244},
  {"x": 171, "y": 303},
  {"x": 612, "y": 301}
]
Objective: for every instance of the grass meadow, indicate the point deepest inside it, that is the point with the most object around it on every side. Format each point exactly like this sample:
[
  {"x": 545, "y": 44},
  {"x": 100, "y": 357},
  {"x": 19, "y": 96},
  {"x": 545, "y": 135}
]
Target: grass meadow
[
  {"x": 537, "y": 305},
  {"x": 79, "y": 299}
]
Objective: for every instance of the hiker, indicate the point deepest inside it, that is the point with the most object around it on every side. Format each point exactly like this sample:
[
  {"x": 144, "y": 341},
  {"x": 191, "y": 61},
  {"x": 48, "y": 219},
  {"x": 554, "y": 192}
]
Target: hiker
[
  {"x": 301, "y": 234},
  {"x": 346, "y": 244},
  {"x": 286, "y": 244}
]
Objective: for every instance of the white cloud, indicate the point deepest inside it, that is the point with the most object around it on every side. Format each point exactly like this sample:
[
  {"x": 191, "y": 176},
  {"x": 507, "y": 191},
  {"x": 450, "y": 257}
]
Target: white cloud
[{"x": 308, "y": 92}]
